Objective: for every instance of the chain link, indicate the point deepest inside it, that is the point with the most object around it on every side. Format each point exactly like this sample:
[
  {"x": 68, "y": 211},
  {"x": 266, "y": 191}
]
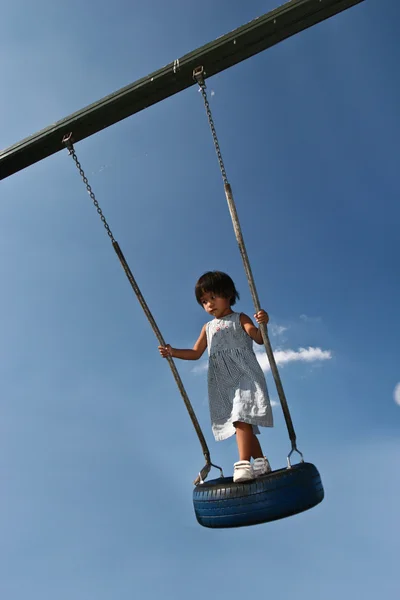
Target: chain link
[{"x": 68, "y": 142}]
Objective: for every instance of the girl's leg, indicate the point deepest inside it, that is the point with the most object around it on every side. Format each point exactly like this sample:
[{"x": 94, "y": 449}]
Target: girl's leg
[
  {"x": 248, "y": 444},
  {"x": 257, "y": 450}
]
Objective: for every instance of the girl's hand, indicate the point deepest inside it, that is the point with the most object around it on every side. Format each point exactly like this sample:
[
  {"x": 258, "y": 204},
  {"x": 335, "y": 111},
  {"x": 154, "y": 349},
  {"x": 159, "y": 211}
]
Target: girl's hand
[
  {"x": 261, "y": 317},
  {"x": 165, "y": 351}
]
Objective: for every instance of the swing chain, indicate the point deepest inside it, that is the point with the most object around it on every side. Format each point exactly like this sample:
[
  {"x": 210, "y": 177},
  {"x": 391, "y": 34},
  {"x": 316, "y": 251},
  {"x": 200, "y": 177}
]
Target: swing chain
[
  {"x": 198, "y": 75},
  {"x": 67, "y": 140}
]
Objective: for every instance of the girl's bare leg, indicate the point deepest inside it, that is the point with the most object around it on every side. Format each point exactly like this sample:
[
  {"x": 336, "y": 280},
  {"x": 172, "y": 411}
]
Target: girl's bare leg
[
  {"x": 257, "y": 450},
  {"x": 248, "y": 444}
]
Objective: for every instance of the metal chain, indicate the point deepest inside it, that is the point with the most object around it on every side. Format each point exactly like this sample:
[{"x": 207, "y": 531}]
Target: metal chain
[
  {"x": 198, "y": 76},
  {"x": 67, "y": 140}
]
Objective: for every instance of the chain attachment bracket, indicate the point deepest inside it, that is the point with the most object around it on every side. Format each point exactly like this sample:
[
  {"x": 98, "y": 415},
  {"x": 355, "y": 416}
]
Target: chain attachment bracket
[
  {"x": 198, "y": 75},
  {"x": 294, "y": 449}
]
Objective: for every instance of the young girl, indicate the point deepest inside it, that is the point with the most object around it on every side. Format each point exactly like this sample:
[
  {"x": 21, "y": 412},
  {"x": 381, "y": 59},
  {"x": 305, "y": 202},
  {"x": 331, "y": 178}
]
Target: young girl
[{"x": 237, "y": 390}]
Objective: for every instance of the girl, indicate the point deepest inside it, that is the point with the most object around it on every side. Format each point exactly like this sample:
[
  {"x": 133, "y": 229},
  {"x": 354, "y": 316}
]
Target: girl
[{"x": 237, "y": 390}]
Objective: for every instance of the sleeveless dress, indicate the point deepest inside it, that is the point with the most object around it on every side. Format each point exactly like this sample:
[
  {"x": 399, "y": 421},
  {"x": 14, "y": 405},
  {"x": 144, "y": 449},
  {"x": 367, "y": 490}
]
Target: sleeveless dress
[{"x": 237, "y": 390}]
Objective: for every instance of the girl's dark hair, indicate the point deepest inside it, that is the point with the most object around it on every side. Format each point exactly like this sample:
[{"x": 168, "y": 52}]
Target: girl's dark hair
[{"x": 217, "y": 283}]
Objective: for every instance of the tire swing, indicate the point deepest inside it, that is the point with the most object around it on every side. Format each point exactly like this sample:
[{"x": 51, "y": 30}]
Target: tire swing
[{"x": 221, "y": 503}]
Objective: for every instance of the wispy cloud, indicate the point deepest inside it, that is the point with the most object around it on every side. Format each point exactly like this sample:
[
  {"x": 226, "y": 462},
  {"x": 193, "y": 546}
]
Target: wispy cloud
[
  {"x": 396, "y": 394},
  {"x": 284, "y": 357},
  {"x": 200, "y": 368},
  {"x": 276, "y": 330},
  {"x": 308, "y": 319}
]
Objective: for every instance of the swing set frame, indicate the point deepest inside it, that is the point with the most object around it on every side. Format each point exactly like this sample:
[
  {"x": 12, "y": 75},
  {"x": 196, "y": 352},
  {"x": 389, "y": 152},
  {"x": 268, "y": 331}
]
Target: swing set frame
[{"x": 224, "y": 52}]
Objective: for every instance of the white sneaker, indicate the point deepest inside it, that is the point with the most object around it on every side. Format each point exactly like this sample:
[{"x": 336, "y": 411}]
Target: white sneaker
[
  {"x": 261, "y": 467},
  {"x": 242, "y": 471}
]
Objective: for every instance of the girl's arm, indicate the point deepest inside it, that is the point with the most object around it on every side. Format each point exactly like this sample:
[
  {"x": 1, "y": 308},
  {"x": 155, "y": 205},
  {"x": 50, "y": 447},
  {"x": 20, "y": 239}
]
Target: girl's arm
[
  {"x": 250, "y": 328},
  {"x": 194, "y": 354}
]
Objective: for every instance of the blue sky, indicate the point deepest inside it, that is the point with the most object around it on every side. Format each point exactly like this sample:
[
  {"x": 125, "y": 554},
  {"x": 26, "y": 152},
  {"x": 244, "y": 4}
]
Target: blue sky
[{"x": 97, "y": 453}]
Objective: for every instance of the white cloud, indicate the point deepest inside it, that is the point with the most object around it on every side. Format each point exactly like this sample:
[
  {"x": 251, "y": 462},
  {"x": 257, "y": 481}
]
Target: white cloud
[
  {"x": 396, "y": 394},
  {"x": 283, "y": 357}
]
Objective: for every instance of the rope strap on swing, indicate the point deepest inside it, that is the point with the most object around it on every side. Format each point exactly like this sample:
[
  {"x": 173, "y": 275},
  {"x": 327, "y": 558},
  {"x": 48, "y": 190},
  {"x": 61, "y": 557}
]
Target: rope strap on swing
[
  {"x": 68, "y": 141},
  {"x": 199, "y": 77}
]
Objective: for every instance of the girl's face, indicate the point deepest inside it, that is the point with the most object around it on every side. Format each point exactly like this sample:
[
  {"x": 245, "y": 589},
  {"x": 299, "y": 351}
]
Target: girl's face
[{"x": 215, "y": 305}]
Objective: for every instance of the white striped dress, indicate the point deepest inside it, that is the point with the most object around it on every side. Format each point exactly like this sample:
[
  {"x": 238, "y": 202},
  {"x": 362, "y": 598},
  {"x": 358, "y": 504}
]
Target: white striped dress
[{"x": 237, "y": 390}]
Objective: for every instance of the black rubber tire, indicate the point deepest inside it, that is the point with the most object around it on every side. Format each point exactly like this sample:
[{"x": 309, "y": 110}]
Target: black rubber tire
[{"x": 220, "y": 503}]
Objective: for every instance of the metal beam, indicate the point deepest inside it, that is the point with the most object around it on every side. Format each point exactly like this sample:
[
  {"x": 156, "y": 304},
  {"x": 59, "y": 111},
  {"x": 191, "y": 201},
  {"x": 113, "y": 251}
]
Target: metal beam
[{"x": 222, "y": 53}]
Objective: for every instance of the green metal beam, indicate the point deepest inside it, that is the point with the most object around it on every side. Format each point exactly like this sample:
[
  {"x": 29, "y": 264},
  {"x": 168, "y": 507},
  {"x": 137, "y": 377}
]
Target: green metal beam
[{"x": 222, "y": 53}]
